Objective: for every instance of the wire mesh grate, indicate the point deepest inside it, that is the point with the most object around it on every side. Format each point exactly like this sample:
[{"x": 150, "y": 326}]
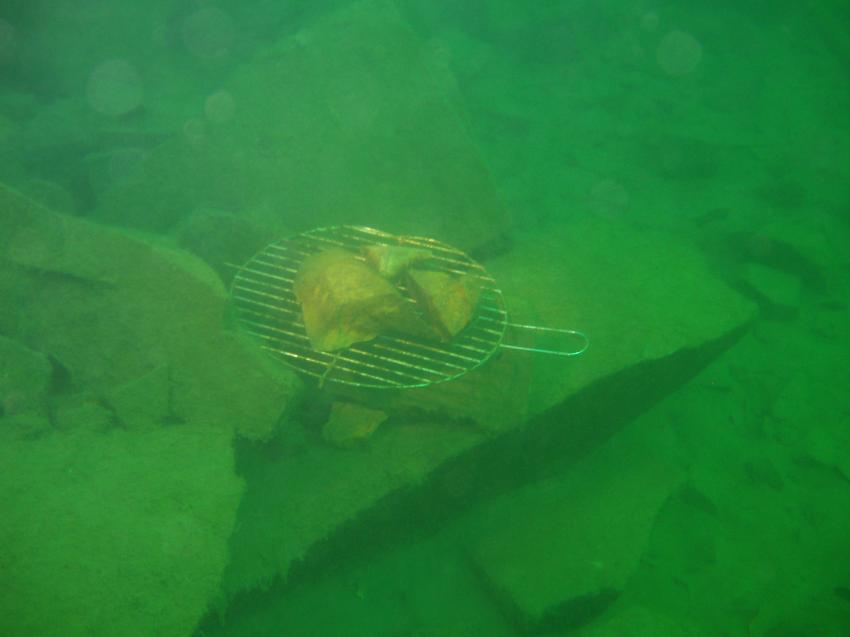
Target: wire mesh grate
[{"x": 266, "y": 307}]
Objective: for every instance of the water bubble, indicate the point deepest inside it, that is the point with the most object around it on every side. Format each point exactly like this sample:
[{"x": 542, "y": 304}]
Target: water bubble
[
  {"x": 114, "y": 88},
  {"x": 678, "y": 53},
  {"x": 219, "y": 107},
  {"x": 208, "y": 33}
]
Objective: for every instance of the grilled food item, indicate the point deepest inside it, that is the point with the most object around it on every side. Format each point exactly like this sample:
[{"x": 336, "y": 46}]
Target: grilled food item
[
  {"x": 391, "y": 261},
  {"x": 448, "y": 300},
  {"x": 344, "y": 301}
]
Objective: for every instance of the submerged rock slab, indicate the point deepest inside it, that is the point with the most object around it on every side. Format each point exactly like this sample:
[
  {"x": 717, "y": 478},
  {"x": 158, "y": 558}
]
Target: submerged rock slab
[
  {"x": 340, "y": 123},
  {"x": 556, "y": 554},
  {"x": 116, "y": 534},
  {"x": 639, "y": 295},
  {"x": 132, "y": 320}
]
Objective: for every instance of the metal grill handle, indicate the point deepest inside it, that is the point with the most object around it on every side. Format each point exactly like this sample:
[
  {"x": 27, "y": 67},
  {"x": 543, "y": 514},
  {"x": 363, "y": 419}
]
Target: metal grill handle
[{"x": 581, "y": 336}]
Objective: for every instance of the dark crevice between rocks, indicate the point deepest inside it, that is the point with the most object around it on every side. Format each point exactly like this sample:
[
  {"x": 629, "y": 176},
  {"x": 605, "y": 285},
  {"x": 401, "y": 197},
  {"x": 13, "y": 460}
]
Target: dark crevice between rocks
[
  {"x": 44, "y": 277},
  {"x": 115, "y": 421},
  {"x": 842, "y": 592},
  {"x": 498, "y": 246},
  {"x": 61, "y": 384},
  {"x": 731, "y": 250},
  {"x": 171, "y": 418},
  {"x": 768, "y": 309},
  {"x": 548, "y": 445}
]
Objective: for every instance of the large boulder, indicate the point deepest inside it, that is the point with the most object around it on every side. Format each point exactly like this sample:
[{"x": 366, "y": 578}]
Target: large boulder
[
  {"x": 340, "y": 123},
  {"x": 113, "y": 309},
  {"x": 640, "y": 295},
  {"x": 122, "y": 394},
  {"x": 123, "y": 533}
]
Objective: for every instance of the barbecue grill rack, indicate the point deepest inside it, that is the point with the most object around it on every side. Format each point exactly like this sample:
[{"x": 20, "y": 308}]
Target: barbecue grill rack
[{"x": 265, "y": 307}]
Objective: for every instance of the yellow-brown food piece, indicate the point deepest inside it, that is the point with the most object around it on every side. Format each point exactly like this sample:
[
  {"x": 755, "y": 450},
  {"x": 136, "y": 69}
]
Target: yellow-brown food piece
[
  {"x": 448, "y": 300},
  {"x": 391, "y": 261},
  {"x": 344, "y": 301}
]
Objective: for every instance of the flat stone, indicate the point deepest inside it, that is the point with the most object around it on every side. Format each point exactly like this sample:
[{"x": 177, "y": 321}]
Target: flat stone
[
  {"x": 328, "y": 129},
  {"x": 556, "y": 554},
  {"x": 639, "y": 295},
  {"x": 350, "y": 424},
  {"x": 113, "y": 309},
  {"x": 123, "y": 533},
  {"x": 817, "y": 237}
]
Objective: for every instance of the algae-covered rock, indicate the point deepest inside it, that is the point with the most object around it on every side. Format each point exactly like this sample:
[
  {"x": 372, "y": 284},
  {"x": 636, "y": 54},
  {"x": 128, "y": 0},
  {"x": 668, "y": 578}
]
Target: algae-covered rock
[
  {"x": 340, "y": 123},
  {"x": 350, "y": 424},
  {"x": 639, "y": 295},
  {"x": 655, "y": 314},
  {"x": 140, "y": 324},
  {"x": 144, "y": 401},
  {"x": 123, "y": 533},
  {"x": 226, "y": 240},
  {"x": 558, "y": 553}
]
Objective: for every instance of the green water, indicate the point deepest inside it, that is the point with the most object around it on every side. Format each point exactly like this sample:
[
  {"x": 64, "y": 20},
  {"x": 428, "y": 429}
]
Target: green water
[{"x": 671, "y": 179}]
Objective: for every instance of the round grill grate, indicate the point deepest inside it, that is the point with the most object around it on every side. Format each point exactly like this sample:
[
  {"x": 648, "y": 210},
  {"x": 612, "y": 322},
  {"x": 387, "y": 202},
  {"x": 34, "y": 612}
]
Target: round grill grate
[{"x": 266, "y": 307}]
